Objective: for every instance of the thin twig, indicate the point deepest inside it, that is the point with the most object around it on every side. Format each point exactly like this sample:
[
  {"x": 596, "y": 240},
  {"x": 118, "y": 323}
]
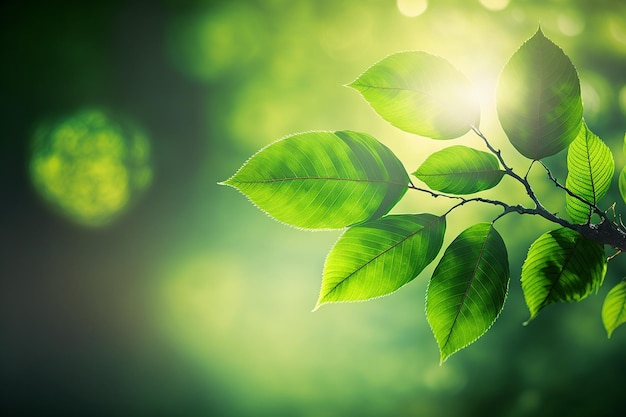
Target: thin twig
[
  {"x": 610, "y": 258},
  {"x": 595, "y": 208},
  {"x": 606, "y": 232}
]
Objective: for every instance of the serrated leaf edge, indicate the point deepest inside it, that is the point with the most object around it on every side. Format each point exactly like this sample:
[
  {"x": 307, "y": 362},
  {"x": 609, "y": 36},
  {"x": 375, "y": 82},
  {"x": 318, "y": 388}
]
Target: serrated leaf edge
[{"x": 443, "y": 358}]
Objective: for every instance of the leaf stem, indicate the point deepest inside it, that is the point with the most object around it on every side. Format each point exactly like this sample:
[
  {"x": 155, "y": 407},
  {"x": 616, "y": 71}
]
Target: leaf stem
[
  {"x": 462, "y": 201},
  {"x": 610, "y": 258},
  {"x": 595, "y": 208},
  {"x": 524, "y": 181},
  {"x": 606, "y": 232}
]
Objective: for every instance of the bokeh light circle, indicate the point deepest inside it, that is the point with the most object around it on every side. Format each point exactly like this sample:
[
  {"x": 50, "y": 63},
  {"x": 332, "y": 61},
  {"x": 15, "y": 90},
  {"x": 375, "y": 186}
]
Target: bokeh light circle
[
  {"x": 412, "y": 8},
  {"x": 89, "y": 167},
  {"x": 495, "y": 5},
  {"x": 207, "y": 44},
  {"x": 570, "y": 23}
]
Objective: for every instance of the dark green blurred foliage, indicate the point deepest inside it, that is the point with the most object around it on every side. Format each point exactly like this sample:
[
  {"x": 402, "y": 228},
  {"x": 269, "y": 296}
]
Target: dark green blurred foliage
[{"x": 169, "y": 310}]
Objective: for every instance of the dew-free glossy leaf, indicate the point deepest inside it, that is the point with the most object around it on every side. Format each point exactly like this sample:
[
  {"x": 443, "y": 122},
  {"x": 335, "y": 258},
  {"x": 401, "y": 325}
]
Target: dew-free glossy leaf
[
  {"x": 420, "y": 93},
  {"x": 460, "y": 170},
  {"x": 323, "y": 179},
  {"x": 378, "y": 257},
  {"x": 561, "y": 266},
  {"x": 614, "y": 308},
  {"x": 538, "y": 99},
  {"x": 590, "y": 168},
  {"x": 468, "y": 288}
]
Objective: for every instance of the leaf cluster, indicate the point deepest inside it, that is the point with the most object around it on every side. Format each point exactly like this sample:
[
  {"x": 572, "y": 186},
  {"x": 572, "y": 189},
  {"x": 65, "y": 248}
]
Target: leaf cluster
[{"x": 347, "y": 179}]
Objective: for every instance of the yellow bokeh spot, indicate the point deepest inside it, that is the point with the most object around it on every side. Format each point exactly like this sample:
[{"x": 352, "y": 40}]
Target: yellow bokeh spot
[
  {"x": 591, "y": 99},
  {"x": 570, "y": 23},
  {"x": 412, "y": 8},
  {"x": 617, "y": 29},
  {"x": 89, "y": 167},
  {"x": 495, "y": 5}
]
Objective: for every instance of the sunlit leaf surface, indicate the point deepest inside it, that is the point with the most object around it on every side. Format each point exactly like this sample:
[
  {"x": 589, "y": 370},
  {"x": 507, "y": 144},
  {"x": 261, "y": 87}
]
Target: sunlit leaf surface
[
  {"x": 622, "y": 175},
  {"x": 561, "y": 266},
  {"x": 538, "y": 99},
  {"x": 378, "y": 257},
  {"x": 468, "y": 288},
  {"x": 614, "y": 308},
  {"x": 460, "y": 170},
  {"x": 420, "y": 93},
  {"x": 323, "y": 179},
  {"x": 622, "y": 183},
  {"x": 590, "y": 169}
]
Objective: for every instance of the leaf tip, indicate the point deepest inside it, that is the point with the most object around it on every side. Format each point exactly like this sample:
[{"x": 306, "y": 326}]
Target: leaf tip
[
  {"x": 228, "y": 182},
  {"x": 533, "y": 314},
  {"x": 353, "y": 85}
]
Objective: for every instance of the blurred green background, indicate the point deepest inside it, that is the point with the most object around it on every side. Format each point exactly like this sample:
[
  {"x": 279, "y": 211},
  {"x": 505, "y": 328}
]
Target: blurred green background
[{"x": 132, "y": 284}]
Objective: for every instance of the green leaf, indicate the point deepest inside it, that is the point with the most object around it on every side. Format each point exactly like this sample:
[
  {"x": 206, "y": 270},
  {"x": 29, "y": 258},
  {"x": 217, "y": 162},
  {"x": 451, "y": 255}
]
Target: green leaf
[
  {"x": 468, "y": 288},
  {"x": 378, "y": 257},
  {"x": 622, "y": 175},
  {"x": 561, "y": 265},
  {"x": 590, "y": 168},
  {"x": 622, "y": 184},
  {"x": 538, "y": 99},
  {"x": 460, "y": 170},
  {"x": 614, "y": 308},
  {"x": 420, "y": 93},
  {"x": 323, "y": 179}
]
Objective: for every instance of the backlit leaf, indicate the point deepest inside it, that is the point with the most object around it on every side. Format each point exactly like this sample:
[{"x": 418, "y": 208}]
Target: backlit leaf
[
  {"x": 538, "y": 99},
  {"x": 468, "y": 288},
  {"x": 622, "y": 183},
  {"x": 378, "y": 257},
  {"x": 614, "y": 308},
  {"x": 323, "y": 179},
  {"x": 622, "y": 175},
  {"x": 561, "y": 266},
  {"x": 420, "y": 93},
  {"x": 460, "y": 170},
  {"x": 590, "y": 168}
]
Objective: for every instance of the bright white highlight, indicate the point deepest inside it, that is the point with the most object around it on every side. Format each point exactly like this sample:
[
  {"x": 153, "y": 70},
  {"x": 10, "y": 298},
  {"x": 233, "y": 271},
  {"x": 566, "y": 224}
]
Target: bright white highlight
[{"x": 412, "y": 8}]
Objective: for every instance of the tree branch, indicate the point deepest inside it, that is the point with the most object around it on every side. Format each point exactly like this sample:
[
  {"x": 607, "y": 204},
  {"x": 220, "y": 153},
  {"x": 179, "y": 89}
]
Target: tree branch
[
  {"x": 595, "y": 208},
  {"x": 606, "y": 232}
]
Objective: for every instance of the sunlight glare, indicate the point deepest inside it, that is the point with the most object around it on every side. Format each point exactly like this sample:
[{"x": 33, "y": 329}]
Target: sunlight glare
[{"x": 485, "y": 91}]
